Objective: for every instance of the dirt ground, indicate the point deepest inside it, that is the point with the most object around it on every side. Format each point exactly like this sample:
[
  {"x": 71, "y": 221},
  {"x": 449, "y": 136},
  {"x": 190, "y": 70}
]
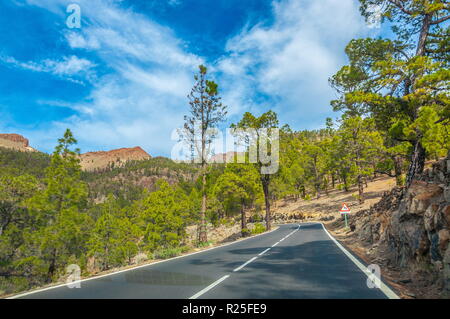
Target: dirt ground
[
  {"x": 326, "y": 209},
  {"x": 329, "y": 205}
]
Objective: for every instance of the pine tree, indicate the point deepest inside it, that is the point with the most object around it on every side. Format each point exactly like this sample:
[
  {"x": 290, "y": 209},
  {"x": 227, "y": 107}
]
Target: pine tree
[
  {"x": 392, "y": 80},
  {"x": 61, "y": 227},
  {"x": 263, "y": 127},
  {"x": 206, "y": 112},
  {"x": 238, "y": 186}
]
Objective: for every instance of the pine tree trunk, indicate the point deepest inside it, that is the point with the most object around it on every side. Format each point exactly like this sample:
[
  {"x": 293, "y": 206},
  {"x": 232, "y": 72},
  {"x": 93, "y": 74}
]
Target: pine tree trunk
[
  {"x": 418, "y": 157},
  {"x": 265, "y": 182},
  {"x": 398, "y": 170},
  {"x": 202, "y": 234},
  {"x": 344, "y": 179},
  {"x": 243, "y": 220},
  {"x": 424, "y": 32},
  {"x": 417, "y": 162},
  {"x": 52, "y": 267},
  {"x": 360, "y": 189}
]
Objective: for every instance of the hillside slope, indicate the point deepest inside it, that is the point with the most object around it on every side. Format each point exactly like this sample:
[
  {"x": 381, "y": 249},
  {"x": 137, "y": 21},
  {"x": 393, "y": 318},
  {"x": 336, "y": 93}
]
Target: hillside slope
[{"x": 92, "y": 161}]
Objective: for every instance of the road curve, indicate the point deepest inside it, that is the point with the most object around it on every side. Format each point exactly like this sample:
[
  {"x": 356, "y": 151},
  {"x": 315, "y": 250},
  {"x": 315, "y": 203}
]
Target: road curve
[{"x": 295, "y": 261}]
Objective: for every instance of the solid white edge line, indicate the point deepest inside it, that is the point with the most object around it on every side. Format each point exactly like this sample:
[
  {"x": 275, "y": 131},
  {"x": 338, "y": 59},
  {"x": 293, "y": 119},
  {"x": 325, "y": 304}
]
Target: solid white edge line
[
  {"x": 134, "y": 268},
  {"x": 265, "y": 251},
  {"x": 385, "y": 289},
  {"x": 244, "y": 264},
  {"x": 201, "y": 292}
]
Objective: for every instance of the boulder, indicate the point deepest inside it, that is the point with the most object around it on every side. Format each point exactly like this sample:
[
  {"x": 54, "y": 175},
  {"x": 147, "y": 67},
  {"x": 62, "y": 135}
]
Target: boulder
[
  {"x": 444, "y": 239},
  {"x": 446, "y": 213}
]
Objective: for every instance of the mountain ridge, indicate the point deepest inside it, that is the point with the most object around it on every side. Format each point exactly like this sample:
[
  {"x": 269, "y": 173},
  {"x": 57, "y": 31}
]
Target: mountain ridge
[{"x": 89, "y": 161}]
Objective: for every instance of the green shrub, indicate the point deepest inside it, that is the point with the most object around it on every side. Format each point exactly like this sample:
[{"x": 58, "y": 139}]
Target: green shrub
[
  {"x": 258, "y": 229},
  {"x": 169, "y": 252},
  {"x": 245, "y": 232},
  {"x": 202, "y": 245},
  {"x": 257, "y": 218}
]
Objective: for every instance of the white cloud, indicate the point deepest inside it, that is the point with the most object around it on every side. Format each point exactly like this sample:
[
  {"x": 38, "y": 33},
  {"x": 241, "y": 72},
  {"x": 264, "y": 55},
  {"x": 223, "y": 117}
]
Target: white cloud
[
  {"x": 143, "y": 98},
  {"x": 292, "y": 59},
  {"x": 67, "y": 67}
]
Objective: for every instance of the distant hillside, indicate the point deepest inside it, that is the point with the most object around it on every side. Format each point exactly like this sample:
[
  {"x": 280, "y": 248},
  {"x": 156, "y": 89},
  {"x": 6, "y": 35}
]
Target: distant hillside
[
  {"x": 16, "y": 142},
  {"x": 91, "y": 161},
  {"x": 15, "y": 162},
  {"x": 132, "y": 177},
  {"x": 94, "y": 161}
]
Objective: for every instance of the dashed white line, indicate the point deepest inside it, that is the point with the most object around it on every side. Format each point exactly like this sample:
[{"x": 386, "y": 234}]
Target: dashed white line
[
  {"x": 240, "y": 267},
  {"x": 245, "y": 264},
  {"x": 201, "y": 292}
]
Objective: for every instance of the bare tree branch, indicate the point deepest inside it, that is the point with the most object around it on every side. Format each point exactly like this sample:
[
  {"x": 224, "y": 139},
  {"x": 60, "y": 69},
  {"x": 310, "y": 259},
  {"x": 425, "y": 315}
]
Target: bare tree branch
[
  {"x": 443, "y": 19},
  {"x": 399, "y": 5}
]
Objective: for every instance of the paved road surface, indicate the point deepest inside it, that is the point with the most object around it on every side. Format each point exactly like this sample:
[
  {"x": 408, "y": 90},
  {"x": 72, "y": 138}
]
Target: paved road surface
[{"x": 307, "y": 263}]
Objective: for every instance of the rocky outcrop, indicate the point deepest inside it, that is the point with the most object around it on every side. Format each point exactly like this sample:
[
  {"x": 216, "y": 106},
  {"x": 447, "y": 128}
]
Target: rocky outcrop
[
  {"x": 411, "y": 227},
  {"x": 16, "y": 142},
  {"x": 102, "y": 160}
]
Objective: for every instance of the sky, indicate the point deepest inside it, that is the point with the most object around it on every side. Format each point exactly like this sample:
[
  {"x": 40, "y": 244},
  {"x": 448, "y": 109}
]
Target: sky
[{"x": 122, "y": 78}]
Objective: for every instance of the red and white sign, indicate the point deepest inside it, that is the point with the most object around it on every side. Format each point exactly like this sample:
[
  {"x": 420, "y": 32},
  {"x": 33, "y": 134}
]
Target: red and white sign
[{"x": 345, "y": 209}]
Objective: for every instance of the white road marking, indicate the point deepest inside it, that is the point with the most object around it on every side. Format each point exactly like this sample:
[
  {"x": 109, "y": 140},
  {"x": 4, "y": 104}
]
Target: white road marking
[
  {"x": 201, "y": 292},
  {"x": 265, "y": 251},
  {"x": 298, "y": 228},
  {"x": 245, "y": 264},
  {"x": 385, "y": 289},
  {"x": 239, "y": 268},
  {"x": 137, "y": 267}
]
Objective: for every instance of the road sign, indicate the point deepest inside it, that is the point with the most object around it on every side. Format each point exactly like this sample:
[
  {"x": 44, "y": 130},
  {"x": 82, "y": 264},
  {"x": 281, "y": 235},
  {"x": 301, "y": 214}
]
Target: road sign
[{"x": 345, "y": 211}]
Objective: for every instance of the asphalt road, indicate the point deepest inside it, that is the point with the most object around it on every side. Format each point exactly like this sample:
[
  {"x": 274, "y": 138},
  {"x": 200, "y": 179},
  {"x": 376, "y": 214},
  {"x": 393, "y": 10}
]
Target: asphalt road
[{"x": 305, "y": 264}]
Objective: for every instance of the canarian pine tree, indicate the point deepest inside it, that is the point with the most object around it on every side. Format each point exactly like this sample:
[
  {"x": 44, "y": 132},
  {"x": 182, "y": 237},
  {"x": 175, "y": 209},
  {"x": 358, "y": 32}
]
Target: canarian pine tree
[
  {"x": 262, "y": 127},
  {"x": 400, "y": 82},
  {"x": 206, "y": 112}
]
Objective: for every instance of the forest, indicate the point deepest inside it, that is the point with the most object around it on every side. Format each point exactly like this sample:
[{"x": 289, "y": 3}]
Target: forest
[{"x": 393, "y": 115}]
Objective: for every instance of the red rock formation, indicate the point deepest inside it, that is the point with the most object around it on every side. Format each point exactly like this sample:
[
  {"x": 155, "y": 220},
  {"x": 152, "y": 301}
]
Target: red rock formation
[
  {"x": 101, "y": 160},
  {"x": 15, "y": 141},
  {"x": 15, "y": 138}
]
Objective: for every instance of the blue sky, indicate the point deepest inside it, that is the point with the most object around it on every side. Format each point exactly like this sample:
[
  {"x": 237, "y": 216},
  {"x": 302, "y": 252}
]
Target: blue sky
[{"x": 121, "y": 79}]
